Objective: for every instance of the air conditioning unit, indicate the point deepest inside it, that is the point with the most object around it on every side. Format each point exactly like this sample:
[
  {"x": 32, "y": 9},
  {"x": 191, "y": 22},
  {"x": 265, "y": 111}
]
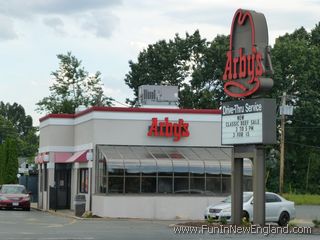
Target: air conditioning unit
[{"x": 158, "y": 95}]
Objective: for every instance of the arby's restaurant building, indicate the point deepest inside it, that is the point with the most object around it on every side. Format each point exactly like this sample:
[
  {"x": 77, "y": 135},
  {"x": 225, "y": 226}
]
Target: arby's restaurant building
[{"x": 157, "y": 162}]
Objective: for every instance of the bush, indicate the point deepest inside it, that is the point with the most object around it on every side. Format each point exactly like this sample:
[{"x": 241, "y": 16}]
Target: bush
[
  {"x": 245, "y": 222},
  {"x": 223, "y": 220},
  {"x": 316, "y": 223},
  {"x": 210, "y": 220}
]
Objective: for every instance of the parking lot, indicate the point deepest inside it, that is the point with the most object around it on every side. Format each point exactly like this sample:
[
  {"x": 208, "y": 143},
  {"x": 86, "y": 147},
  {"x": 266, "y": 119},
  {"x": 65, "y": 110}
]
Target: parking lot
[{"x": 46, "y": 226}]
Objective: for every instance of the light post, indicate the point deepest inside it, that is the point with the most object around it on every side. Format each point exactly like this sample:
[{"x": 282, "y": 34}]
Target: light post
[{"x": 284, "y": 110}]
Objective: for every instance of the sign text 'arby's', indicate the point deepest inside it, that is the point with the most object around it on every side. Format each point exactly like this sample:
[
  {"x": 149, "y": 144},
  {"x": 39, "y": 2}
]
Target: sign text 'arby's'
[{"x": 169, "y": 129}]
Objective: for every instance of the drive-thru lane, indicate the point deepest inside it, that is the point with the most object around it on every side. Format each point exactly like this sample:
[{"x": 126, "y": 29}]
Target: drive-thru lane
[{"x": 39, "y": 225}]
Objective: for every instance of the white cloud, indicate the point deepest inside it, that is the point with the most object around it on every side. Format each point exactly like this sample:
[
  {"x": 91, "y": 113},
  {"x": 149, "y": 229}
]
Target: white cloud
[
  {"x": 106, "y": 34},
  {"x": 7, "y": 30},
  {"x": 100, "y": 23},
  {"x": 18, "y": 8},
  {"x": 55, "y": 23},
  {"x": 96, "y": 15}
]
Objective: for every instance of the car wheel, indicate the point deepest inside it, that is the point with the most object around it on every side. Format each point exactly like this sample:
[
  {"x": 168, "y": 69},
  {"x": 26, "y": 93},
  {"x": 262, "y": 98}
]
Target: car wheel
[
  {"x": 284, "y": 219},
  {"x": 245, "y": 215},
  {"x": 27, "y": 209}
]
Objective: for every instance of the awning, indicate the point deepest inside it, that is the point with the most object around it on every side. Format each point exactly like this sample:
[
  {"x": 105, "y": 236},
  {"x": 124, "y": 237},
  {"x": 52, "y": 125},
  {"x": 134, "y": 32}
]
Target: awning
[
  {"x": 39, "y": 159},
  {"x": 215, "y": 160},
  {"x": 78, "y": 157},
  {"x": 61, "y": 157}
]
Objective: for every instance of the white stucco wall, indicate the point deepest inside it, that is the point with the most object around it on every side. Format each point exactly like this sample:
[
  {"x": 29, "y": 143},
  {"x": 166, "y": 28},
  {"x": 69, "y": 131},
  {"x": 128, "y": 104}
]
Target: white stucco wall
[{"x": 152, "y": 207}]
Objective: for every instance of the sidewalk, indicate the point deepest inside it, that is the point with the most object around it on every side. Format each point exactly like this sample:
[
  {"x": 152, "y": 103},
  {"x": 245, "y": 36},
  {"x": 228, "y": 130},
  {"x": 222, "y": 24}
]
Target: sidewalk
[
  {"x": 62, "y": 213},
  {"x": 70, "y": 214}
]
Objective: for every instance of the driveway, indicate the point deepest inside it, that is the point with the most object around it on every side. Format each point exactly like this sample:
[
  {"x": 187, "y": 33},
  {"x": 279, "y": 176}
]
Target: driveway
[{"x": 37, "y": 225}]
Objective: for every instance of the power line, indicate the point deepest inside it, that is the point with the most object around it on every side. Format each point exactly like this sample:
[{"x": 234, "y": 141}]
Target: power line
[
  {"x": 303, "y": 145},
  {"x": 303, "y": 127},
  {"x": 123, "y": 104}
]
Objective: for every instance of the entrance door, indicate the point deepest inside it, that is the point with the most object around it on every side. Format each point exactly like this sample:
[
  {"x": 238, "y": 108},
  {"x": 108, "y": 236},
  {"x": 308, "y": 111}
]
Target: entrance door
[{"x": 63, "y": 185}]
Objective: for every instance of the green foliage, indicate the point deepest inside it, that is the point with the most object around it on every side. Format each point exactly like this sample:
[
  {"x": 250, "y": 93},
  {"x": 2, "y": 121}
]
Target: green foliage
[
  {"x": 316, "y": 223},
  {"x": 6, "y": 129},
  {"x": 210, "y": 220},
  {"x": 223, "y": 220},
  {"x": 191, "y": 63},
  {"x": 245, "y": 222},
  {"x": 8, "y": 161},
  {"x": 196, "y": 66},
  {"x": 292, "y": 224},
  {"x": 303, "y": 199},
  {"x": 296, "y": 61},
  {"x": 72, "y": 87},
  {"x": 15, "y": 124},
  {"x": 2, "y": 164}
]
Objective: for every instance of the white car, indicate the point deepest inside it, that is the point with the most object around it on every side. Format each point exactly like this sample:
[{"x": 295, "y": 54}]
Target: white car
[{"x": 278, "y": 209}]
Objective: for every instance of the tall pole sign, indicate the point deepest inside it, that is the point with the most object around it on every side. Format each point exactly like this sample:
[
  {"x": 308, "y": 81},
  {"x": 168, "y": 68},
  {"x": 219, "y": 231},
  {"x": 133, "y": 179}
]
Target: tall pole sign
[
  {"x": 248, "y": 67},
  {"x": 249, "y": 121}
]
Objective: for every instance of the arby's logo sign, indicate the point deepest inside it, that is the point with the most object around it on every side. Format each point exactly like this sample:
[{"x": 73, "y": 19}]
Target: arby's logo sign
[
  {"x": 248, "y": 68},
  {"x": 169, "y": 129}
]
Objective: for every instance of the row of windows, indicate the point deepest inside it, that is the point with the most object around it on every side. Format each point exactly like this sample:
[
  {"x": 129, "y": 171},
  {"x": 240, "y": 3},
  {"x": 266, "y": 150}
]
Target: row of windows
[
  {"x": 164, "y": 175},
  {"x": 169, "y": 185}
]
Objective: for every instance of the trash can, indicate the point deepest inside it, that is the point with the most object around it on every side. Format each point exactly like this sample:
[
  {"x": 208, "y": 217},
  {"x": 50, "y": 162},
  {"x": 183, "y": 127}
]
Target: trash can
[{"x": 79, "y": 205}]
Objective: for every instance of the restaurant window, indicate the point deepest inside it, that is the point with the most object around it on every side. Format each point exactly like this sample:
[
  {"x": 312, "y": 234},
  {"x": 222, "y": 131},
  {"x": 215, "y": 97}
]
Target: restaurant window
[
  {"x": 45, "y": 186},
  {"x": 164, "y": 170},
  {"x": 165, "y": 176},
  {"x": 197, "y": 177},
  {"x": 132, "y": 175},
  {"x": 148, "y": 170},
  {"x": 213, "y": 176},
  {"x": 83, "y": 178},
  {"x": 115, "y": 177},
  {"x": 181, "y": 176}
]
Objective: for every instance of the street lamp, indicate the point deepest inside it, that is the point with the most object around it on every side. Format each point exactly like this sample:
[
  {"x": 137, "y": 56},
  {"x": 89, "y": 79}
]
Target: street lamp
[{"x": 284, "y": 110}]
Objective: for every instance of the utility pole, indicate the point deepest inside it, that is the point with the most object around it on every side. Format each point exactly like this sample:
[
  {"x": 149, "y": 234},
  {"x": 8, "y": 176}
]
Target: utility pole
[{"x": 283, "y": 120}]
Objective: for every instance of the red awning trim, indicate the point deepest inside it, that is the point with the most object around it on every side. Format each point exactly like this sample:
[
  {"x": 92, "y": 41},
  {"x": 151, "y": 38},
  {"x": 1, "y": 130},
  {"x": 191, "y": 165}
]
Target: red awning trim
[
  {"x": 39, "y": 159},
  {"x": 61, "y": 157},
  {"x": 80, "y": 157}
]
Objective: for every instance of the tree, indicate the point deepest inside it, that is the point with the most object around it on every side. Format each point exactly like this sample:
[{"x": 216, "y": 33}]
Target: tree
[
  {"x": 2, "y": 164},
  {"x": 196, "y": 65},
  {"x": 72, "y": 87},
  {"x": 14, "y": 123},
  {"x": 10, "y": 161},
  {"x": 191, "y": 63},
  {"x": 6, "y": 130},
  {"x": 296, "y": 61}
]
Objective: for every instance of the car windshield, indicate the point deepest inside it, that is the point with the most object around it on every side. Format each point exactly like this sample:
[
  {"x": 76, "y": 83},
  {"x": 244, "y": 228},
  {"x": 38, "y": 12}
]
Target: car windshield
[
  {"x": 246, "y": 197},
  {"x": 13, "y": 189}
]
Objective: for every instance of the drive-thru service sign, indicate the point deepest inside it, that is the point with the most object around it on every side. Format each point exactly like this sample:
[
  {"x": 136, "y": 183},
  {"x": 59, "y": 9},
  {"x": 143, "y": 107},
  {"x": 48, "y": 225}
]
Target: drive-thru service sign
[
  {"x": 248, "y": 122},
  {"x": 247, "y": 74}
]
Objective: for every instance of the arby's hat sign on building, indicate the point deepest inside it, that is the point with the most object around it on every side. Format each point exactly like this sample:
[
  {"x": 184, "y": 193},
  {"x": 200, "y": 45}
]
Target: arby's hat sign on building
[{"x": 248, "y": 68}]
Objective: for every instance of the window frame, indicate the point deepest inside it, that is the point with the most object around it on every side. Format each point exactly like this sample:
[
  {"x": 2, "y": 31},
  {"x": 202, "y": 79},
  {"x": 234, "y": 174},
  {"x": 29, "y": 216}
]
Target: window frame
[{"x": 83, "y": 180}]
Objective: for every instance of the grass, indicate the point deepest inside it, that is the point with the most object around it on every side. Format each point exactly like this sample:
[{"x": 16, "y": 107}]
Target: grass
[{"x": 303, "y": 199}]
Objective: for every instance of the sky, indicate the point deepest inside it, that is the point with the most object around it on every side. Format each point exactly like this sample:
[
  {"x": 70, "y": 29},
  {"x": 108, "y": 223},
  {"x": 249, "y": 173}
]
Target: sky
[{"x": 106, "y": 34}]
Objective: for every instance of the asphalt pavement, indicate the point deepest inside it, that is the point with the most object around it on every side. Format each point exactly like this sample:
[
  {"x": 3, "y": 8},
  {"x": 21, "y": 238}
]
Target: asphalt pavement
[{"x": 39, "y": 225}]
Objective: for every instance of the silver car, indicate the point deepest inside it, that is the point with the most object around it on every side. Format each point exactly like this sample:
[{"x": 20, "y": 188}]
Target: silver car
[{"x": 278, "y": 209}]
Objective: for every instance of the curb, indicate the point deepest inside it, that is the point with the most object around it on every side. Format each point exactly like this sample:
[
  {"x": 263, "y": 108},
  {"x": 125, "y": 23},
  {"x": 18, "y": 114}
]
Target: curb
[{"x": 58, "y": 213}]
